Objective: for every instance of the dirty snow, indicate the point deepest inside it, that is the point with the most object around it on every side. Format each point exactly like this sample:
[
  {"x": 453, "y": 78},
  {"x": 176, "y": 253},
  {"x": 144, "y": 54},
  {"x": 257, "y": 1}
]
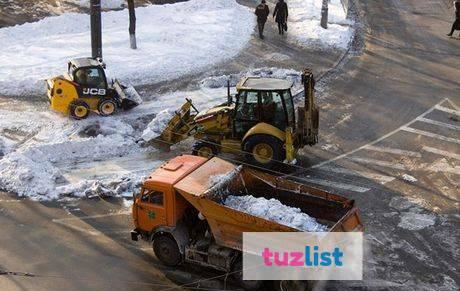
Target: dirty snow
[
  {"x": 416, "y": 221},
  {"x": 173, "y": 40},
  {"x": 158, "y": 124},
  {"x": 274, "y": 210},
  {"x": 105, "y": 4},
  {"x": 409, "y": 178},
  {"x": 304, "y": 24}
]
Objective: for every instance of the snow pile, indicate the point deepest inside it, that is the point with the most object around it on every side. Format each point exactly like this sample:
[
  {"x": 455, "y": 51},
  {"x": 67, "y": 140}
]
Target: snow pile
[
  {"x": 304, "y": 24},
  {"x": 34, "y": 171},
  {"x": 277, "y": 73},
  {"x": 105, "y": 4},
  {"x": 157, "y": 125},
  {"x": 409, "y": 178},
  {"x": 274, "y": 210},
  {"x": 173, "y": 40}
]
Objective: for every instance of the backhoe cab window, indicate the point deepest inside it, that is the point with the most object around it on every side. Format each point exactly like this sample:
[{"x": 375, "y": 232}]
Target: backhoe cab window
[
  {"x": 90, "y": 77},
  {"x": 273, "y": 110},
  {"x": 247, "y": 106},
  {"x": 152, "y": 196}
]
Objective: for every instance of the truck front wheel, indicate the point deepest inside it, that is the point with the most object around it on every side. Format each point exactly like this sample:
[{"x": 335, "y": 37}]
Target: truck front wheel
[{"x": 167, "y": 251}]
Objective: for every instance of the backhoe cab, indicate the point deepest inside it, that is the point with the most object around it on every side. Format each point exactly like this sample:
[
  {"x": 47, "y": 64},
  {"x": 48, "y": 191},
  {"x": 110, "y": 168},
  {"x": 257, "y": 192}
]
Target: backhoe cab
[
  {"x": 260, "y": 120},
  {"x": 85, "y": 88}
]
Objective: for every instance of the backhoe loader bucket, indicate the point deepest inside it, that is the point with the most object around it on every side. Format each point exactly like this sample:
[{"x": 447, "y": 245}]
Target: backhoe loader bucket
[
  {"x": 129, "y": 97},
  {"x": 181, "y": 126}
]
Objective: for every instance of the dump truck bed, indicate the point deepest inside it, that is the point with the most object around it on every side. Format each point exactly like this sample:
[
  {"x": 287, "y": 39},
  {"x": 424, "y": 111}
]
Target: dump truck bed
[{"x": 207, "y": 187}]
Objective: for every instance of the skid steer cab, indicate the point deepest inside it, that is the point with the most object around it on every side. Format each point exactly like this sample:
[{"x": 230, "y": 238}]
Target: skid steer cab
[{"x": 85, "y": 88}]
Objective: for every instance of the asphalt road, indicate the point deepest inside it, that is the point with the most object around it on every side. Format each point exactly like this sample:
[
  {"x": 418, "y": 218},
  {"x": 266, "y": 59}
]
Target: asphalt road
[{"x": 389, "y": 139}]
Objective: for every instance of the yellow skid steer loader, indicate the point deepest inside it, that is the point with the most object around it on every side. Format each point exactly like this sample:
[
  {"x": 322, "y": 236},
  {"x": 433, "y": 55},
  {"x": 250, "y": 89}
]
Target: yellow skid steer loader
[{"x": 85, "y": 88}]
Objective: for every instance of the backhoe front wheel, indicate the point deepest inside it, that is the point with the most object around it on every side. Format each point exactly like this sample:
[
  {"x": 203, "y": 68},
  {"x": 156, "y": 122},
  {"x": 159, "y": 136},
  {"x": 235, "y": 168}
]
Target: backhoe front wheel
[
  {"x": 204, "y": 149},
  {"x": 79, "y": 109},
  {"x": 167, "y": 250},
  {"x": 264, "y": 150},
  {"x": 106, "y": 107}
]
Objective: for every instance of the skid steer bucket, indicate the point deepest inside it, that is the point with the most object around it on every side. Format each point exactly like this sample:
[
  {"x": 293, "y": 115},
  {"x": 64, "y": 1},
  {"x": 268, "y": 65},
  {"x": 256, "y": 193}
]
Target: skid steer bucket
[
  {"x": 129, "y": 98},
  {"x": 181, "y": 126}
]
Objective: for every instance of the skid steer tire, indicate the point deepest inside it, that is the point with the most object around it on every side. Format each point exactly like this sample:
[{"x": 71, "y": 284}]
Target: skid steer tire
[
  {"x": 107, "y": 107},
  {"x": 79, "y": 109},
  {"x": 237, "y": 273},
  {"x": 167, "y": 250},
  {"x": 204, "y": 149},
  {"x": 264, "y": 150}
]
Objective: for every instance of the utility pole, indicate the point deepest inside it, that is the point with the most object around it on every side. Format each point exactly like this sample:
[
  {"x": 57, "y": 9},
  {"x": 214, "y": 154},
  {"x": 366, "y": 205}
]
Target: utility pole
[
  {"x": 96, "y": 29},
  {"x": 324, "y": 13},
  {"x": 132, "y": 24}
]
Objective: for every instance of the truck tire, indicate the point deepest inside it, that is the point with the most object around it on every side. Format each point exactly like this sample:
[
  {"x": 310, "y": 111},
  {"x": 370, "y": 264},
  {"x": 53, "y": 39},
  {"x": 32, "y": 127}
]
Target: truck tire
[
  {"x": 79, "y": 109},
  {"x": 167, "y": 251},
  {"x": 264, "y": 150},
  {"x": 204, "y": 149},
  {"x": 237, "y": 273},
  {"x": 107, "y": 107}
]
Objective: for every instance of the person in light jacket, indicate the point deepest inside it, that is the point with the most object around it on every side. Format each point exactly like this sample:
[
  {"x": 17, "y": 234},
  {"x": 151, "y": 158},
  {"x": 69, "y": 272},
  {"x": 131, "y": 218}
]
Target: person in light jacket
[
  {"x": 262, "y": 12},
  {"x": 281, "y": 14},
  {"x": 456, "y": 24}
]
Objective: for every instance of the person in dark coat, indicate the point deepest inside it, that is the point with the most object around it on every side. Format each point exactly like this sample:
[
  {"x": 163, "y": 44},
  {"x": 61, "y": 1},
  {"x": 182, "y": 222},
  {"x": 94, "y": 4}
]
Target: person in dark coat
[
  {"x": 281, "y": 14},
  {"x": 456, "y": 24},
  {"x": 262, "y": 12}
]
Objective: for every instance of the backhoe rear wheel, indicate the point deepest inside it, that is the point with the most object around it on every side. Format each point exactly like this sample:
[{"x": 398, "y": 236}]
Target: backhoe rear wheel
[
  {"x": 79, "y": 109},
  {"x": 167, "y": 250},
  {"x": 264, "y": 150},
  {"x": 204, "y": 149},
  {"x": 106, "y": 107}
]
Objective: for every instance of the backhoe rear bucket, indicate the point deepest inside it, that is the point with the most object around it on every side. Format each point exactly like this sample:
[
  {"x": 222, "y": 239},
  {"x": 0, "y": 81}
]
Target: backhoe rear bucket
[{"x": 128, "y": 96}]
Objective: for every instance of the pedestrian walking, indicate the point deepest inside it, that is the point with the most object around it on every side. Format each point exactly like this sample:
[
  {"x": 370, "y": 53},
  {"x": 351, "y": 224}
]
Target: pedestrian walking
[
  {"x": 456, "y": 24},
  {"x": 262, "y": 12},
  {"x": 281, "y": 14}
]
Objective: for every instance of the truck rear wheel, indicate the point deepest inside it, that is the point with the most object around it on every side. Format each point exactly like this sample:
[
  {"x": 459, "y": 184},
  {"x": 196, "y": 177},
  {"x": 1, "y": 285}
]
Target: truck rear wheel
[
  {"x": 167, "y": 251},
  {"x": 79, "y": 109},
  {"x": 204, "y": 149},
  {"x": 264, "y": 150},
  {"x": 106, "y": 107},
  {"x": 237, "y": 273}
]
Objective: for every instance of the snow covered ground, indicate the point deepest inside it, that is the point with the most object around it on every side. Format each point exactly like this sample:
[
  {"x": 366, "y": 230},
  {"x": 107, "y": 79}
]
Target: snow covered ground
[
  {"x": 304, "y": 24},
  {"x": 173, "y": 40},
  {"x": 105, "y": 4},
  {"x": 44, "y": 155}
]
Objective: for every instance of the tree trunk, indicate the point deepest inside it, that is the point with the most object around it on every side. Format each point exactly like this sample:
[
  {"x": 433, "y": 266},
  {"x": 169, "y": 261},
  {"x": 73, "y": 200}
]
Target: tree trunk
[
  {"x": 132, "y": 24},
  {"x": 324, "y": 14},
  {"x": 96, "y": 29}
]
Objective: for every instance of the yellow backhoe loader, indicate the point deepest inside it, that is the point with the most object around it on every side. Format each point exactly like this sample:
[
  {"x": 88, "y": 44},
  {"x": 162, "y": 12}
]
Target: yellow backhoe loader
[
  {"x": 85, "y": 88},
  {"x": 261, "y": 122}
]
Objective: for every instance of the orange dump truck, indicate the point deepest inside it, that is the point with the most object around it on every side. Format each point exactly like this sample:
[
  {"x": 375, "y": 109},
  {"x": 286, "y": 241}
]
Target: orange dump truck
[{"x": 180, "y": 210}]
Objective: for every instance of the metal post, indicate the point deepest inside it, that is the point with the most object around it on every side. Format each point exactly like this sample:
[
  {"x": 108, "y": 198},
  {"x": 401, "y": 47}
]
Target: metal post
[
  {"x": 96, "y": 29},
  {"x": 324, "y": 13},
  {"x": 132, "y": 24}
]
